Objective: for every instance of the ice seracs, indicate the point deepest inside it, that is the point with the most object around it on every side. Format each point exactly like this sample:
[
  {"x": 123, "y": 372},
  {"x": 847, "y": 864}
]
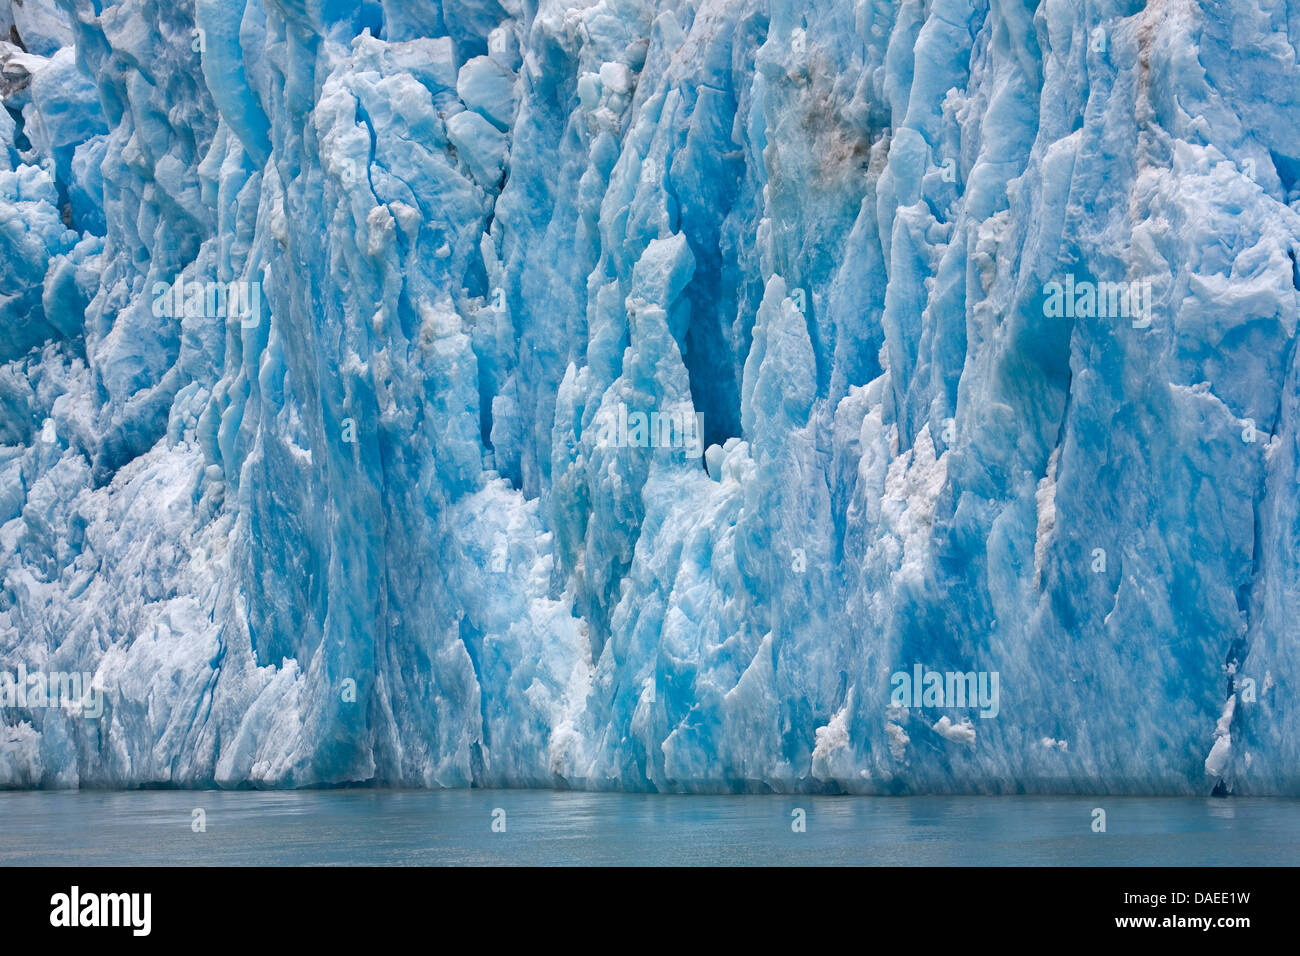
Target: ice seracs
[{"x": 970, "y": 330}]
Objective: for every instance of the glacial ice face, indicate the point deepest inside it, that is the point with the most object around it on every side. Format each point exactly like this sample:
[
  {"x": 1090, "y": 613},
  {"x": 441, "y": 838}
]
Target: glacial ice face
[{"x": 393, "y": 524}]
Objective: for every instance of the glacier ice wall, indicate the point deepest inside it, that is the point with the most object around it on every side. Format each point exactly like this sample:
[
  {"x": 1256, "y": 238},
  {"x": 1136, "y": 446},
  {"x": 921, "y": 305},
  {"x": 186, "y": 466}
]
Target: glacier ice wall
[{"x": 375, "y": 529}]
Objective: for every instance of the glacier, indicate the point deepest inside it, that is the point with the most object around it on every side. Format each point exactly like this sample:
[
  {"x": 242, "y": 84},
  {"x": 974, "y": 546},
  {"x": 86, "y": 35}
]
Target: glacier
[{"x": 375, "y": 531}]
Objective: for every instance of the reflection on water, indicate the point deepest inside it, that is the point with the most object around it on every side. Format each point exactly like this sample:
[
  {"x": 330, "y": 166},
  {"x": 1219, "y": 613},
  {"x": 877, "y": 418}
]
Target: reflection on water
[{"x": 372, "y": 827}]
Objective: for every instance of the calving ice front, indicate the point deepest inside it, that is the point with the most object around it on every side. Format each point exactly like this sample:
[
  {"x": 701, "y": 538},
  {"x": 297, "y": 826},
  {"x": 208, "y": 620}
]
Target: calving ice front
[
  {"x": 922, "y": 688},
  {"x": 74, "y": 909},
  {"x": 472, "y": 227}
]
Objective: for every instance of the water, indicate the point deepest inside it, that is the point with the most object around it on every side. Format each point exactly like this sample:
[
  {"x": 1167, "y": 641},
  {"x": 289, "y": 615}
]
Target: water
[{"x": 368, "y": 827}]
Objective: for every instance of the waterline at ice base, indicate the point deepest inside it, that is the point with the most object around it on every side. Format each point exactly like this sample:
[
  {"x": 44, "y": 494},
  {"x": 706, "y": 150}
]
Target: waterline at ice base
[{"x": 836, "y": 396}]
